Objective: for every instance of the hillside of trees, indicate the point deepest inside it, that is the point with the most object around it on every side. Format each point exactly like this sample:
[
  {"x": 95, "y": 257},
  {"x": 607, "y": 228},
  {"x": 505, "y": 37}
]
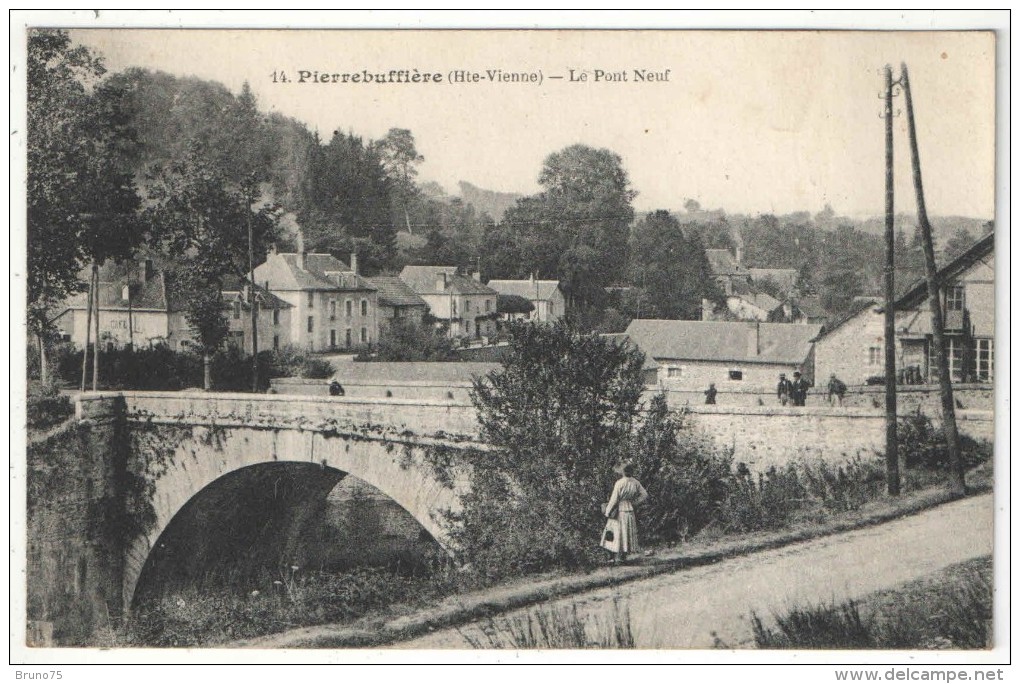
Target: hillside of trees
[{"x": 181, "y": 164}]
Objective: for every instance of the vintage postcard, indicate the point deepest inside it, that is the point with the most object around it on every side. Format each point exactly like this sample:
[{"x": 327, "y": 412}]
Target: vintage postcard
[{"x": 423, "y": 342}]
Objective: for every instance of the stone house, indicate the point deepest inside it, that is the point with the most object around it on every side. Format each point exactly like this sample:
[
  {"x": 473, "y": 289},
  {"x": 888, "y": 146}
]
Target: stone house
[
  {"x": 729, "y": 274},
  {"x": 273, "y": 316},
  {"x": 736, "y": 356},
  {"x": 136, "y": 307},
  {"x": 397, "y": 300},
  {"x": 334, "y": 308},
  {"x": 545, "y": 295},
  {"x": 852, "y": 347},
  {"x": 462, "y": 304},
  {"x": 753, "y": 306}
]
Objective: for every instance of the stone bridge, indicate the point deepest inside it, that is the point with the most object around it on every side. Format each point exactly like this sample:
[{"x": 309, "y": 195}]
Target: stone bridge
[
  {"x": 134, "y": 461},
  {"x": 181, "y": 443}
]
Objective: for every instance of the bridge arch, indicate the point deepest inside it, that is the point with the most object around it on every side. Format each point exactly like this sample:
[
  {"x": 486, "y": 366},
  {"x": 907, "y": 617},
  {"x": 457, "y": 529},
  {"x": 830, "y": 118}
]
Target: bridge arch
[{"x": 201, "y": 455}]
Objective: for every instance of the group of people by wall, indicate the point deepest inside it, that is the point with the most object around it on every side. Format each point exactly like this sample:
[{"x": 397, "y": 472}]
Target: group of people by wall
[{"x": 794, "y": 391}]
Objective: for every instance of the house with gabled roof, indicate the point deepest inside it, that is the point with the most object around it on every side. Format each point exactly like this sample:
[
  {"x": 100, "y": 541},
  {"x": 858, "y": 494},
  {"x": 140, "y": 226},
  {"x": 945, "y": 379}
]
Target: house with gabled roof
[
  {"x": 397, "y": 300},
  {"x": 462, "y": 304},
  {"x": 727, "y": 271},
  {"x": 852, "y": 347},
  {"x": 547, "y": 297},
  {"x": 734, "y": 355},
  {"x": 273, "y": 316},
  {"x": 334, "y": 308}
]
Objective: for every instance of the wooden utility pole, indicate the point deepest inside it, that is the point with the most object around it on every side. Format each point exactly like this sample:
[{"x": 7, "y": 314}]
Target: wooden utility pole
[
  {"x": 88, "y": 330},
  {"x": 95, "y": 319},
  {"x": 249, "y": 190},
  {"x": 935, "y": 304},
  {"x": 892, "y": 468}
]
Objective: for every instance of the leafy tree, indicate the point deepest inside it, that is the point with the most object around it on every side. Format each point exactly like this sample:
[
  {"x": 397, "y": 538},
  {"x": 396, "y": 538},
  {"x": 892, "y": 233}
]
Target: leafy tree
[
  {"x": 400, "y": 159},
  {"x": 671, "y": 268},
  {"x": 200, "y": 222},
  {"x": 576, "y": 229},
  {"x": 346, "y": 204},
  {"x": 959, "y": 243},
  {"x": 82, "y": 201},
  {"x": 559, "y": 415},
  {"x": 692, "y": 206}
]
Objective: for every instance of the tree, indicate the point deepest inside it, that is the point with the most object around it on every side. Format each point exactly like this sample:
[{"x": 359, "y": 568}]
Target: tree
[
  {"x": 558, "y": 416},
  {"x": 671, "y": 268},
  {"x": 959, "y": 243},
  {"x": 692, "y": 206},
  {"x": 400, "y": 158},
  {"x": 199, "y": 220},
  {"x": 576, "y": 229},
  {"x": 82, "y": 201}
]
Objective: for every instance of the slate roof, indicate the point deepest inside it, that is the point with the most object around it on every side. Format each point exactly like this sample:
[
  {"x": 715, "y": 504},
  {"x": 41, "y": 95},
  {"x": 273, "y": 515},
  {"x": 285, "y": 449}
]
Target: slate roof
[
  {"x": 321, "y": 272},
  {"x": 529, "y": 289},
  {"x": 234, "y": 287},
  {"x": 394, "y": 292},
  {"x": 423, "y": 279},
  {"x": 763, "y": 301},
  {"x": 782, "y": 343}
]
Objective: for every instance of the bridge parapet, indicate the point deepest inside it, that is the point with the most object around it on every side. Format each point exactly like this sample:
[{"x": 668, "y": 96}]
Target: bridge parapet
[{"x": 383, "y": 419}]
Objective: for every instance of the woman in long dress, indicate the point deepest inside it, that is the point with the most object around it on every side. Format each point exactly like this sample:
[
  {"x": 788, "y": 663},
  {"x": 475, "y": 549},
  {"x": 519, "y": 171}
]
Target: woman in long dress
[{"x": 627, "y": 493}]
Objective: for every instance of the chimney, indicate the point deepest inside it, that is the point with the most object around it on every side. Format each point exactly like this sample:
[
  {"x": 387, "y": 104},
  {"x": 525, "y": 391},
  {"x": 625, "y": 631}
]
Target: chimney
[
  {"x": 754, "y": 340},
  {"x": 354, "y": 263},
  {"x": 301, "y": 250},
  {"x": 244, "y": 291},
  {"x": 441, "y": 282},
  {"x": 477, "y": 275}
]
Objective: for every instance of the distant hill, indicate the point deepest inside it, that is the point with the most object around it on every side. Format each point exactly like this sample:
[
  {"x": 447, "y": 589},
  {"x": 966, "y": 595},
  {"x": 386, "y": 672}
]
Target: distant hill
[{"x": 489, "y": 202}]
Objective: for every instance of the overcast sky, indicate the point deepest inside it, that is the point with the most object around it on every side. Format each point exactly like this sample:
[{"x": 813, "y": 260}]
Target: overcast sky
[{"x": 748, "y": 122}]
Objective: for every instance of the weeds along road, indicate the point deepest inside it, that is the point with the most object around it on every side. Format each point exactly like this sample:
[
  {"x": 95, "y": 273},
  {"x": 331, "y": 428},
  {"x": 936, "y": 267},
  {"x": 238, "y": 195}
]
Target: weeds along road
[{"x": 683, "y": 609}]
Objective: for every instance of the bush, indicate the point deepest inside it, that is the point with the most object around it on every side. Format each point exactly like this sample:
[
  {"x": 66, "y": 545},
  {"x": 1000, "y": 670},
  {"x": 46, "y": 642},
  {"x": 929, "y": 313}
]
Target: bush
[
  {"x": 825, "y": 626},
  {"x": 406, "y": 340},
  {"x": 764, "y": 502},
  {"x": 559, "y": 416},
  {"x": 46, "y": 407},
  {"x": 925, "y": 446},
  {"x": 846, "y": 487},
  {"x": 686, "y": 478}
]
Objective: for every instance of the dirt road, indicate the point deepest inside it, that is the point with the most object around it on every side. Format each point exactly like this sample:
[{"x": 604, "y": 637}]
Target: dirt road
[{"x": 683, "y": 609}]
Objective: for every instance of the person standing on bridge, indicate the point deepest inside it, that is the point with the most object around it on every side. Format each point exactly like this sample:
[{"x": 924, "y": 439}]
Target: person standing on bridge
[{"x": 627, "y": 494}]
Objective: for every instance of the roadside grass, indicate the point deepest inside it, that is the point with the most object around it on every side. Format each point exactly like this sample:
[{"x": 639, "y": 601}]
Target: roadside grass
[
  {"x": 555, "y": 628},
  {"x": 951, "y": 609}
]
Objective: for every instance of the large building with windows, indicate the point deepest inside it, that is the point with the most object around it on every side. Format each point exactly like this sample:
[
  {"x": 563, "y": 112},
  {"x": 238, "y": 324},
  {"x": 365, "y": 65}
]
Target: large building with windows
[
  {"x": 853, "y": 347},
  {"x": 334, "y": 308},
  {"x": 461, "y": 303}
]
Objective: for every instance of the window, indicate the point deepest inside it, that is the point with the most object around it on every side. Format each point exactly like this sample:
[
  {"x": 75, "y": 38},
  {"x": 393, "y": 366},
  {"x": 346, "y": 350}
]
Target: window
[
  {"x": 237, "y": 310},
  {"x": 332, "y": 338},
  {"x": 276, "y": 316},
  {"x": 364, "y": 335},
  {"x": 332, "y": 309},
  {"x": 984, "y": 360},
  {"x": 364, "y": 307},
  {"x": 311, "y": 299},
  {"x": 276, "y": 341},
  {"x": 954, "y": 298},
  {"x": 674, "y": 372},
  {"x": 467, "y": 327},
  {"x": 955, "y": 353},
  {"x": 736, "y": 375},
  {"x": 347, "y": 338},
  {"x": 348, "y": 308},
  {"x": 311, "y": 324},
  {"x": 453, "y": 303},
  {"x": 875, "y": 356},
  {"x": 550, "y": 307},
  {"x": 488, "y": 305},
  {"x": 467, "y": 305}
]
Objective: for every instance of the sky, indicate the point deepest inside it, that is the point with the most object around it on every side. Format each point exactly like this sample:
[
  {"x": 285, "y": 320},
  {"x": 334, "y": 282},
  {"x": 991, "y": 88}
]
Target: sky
[{"x": 750, "y": 122}]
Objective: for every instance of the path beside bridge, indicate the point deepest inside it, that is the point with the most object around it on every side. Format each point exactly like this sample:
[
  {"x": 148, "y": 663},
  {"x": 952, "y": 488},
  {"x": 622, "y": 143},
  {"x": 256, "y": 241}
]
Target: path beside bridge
[{"x": 683, "y": 609}]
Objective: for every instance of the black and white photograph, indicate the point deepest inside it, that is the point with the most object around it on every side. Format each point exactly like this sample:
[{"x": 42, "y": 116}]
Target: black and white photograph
[{"x": 475, "y": 342}]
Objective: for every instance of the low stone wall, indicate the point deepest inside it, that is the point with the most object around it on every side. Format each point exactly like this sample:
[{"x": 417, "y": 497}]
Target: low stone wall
[{"x": 429, "y": 391}]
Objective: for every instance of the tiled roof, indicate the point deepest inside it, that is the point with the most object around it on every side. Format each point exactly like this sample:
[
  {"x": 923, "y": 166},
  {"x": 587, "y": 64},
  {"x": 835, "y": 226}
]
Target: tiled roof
[
  {"x": 763, "y": 301},
  {"x": 811, "y": 306},
  {"x": 233, "y": 287},
  {"x": 529, "y": 289},
  {"x": 321, "y": 272},
  {"x": 394, "y": 292},
  {"x": 423, "y": 280},
  {"x": 784, "y": 343}
]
